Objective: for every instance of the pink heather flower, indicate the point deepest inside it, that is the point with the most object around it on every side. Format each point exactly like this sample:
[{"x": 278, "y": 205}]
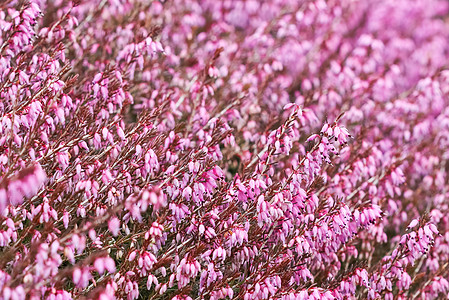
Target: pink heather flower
[
  {"x": 412, "y": 224},
  {"x": 114, "y": 226},
  {"x": 81, "y": 277},
  {"x": 104, "y": 264},
  {"x": 251, "y": 149},
  {"x": 24, "y": 183},
  {"x": 132, "y": 256}
]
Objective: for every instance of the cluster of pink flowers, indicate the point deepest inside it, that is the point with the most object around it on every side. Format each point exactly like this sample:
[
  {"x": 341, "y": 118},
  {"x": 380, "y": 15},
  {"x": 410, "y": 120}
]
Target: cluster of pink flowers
[{"x": 239, "y": 149}]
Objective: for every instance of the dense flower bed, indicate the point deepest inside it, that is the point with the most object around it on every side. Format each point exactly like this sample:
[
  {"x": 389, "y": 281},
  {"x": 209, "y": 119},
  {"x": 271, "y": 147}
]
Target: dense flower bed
[{"x": 224, "y": 149}]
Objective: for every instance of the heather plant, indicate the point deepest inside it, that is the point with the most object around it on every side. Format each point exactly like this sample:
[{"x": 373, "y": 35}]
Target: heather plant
[{"x": 204, "y": 149}]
